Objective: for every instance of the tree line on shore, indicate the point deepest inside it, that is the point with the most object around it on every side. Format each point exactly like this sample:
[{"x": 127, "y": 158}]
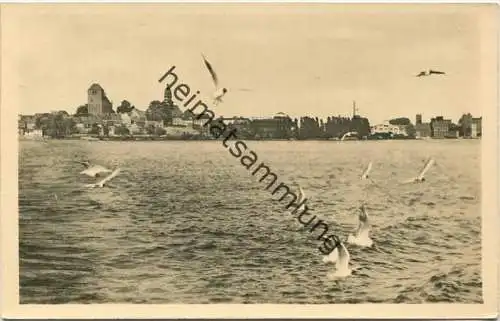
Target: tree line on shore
[{"x": 61, "y": 124}]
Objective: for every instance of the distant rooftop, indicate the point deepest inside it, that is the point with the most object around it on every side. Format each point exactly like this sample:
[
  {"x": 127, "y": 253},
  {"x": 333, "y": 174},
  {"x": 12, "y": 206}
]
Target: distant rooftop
[{"x": 95, "y": 86}]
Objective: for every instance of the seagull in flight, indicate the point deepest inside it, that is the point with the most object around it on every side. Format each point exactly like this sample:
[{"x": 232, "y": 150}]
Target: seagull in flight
[
  {"x": 334, "y": 254},
  {"x": 342, "y": 268},
  {"x": 219, "y": 92},
  {"x": 361, "y": 236},
  {"x": 367, "y": 171},
  {"x": 93, "y": 170},
  {"x": 430, "y": 72},
  {"x": 301, "y": 197},
  {"x": 420, "y": 178},
  {"x": 105, "y": 180},
  {"x": 436, "y": 72}
]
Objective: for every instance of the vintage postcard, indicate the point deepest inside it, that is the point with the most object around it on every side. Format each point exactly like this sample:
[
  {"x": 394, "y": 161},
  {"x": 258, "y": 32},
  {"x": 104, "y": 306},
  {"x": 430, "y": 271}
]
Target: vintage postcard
[{"x": 248, "y": 160}]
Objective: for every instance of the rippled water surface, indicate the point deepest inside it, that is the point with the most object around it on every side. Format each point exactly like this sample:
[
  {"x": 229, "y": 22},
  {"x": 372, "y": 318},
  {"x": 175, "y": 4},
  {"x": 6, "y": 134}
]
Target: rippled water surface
[{"x": 185, "y": 222}]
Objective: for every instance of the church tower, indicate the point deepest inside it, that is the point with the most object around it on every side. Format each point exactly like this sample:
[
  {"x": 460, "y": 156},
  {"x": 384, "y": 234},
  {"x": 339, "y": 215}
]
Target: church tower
[{"x": 167, "y": 96}]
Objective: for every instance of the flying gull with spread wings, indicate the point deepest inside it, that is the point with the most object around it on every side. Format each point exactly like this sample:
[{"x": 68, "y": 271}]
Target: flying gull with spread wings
[
  {"x": 420, "y": 177},
  {"x": 342, "y": 268},
  {"x": 361, "y": 236},
  {"x": 367, "y": 171},
  {"x": 219, "y": 92},
  {"x": 93, "y": 170},
  {"x": 105, "y": 180},
  {"x": 430, "y": 72}
]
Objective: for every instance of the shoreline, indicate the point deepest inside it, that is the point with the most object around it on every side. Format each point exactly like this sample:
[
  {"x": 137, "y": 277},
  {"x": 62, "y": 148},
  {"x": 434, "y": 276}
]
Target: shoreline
[{"x": 156, "y": 139}]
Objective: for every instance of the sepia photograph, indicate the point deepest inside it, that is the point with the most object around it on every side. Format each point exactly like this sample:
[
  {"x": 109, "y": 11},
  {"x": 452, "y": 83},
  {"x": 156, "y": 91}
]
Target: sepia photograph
[{"x": 249, "y": 159}]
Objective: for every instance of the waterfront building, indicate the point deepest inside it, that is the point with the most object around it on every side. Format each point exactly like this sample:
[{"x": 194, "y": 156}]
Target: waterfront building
[
  {"x": 280, "y": 126},
  {"x": 470, "y": 126},
  {"x": 35, "y": 133},
  {"x": 423, "y": 130},
  {"x": 476, "y": 126},
  {"x": 98, "y": 102},
  {"x": 84, "y": 124},
  {"x": 385, "y": 128},
  {"x": 110, "y": 117},
  {"x": 107, "y": 120},
  {"x": 241, "y": 124},
  {"x": 179, "y": 121},
  {"x": 237, "y": 121},
  {"x": 26, "y": 124},
  {"x": 135, "y": 129},
  {"x": 154, "y": 123},
  {"x": 264, "y": 128},
  {"x": 418, "y": 119},
  {"x": 440, "y": 127},
  {"x": 474, "y": 131},
  {"x": 199, "y": 123}
]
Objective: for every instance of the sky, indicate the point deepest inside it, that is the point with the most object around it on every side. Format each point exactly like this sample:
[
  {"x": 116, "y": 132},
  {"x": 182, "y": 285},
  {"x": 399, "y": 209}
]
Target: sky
[{"x": 303, "y": 60}]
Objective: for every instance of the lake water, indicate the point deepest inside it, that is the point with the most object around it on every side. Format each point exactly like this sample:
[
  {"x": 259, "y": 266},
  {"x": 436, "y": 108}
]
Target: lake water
[{"x": 185, "y": 222}]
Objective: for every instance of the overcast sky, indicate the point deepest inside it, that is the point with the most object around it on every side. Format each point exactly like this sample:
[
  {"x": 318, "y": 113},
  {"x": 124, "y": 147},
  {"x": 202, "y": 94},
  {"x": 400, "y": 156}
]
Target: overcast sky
[{"x": 297, "y": 59}]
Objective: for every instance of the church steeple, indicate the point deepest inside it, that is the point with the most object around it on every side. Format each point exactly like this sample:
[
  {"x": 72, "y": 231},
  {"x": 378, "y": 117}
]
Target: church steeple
[{"x": 167, "y": 96}]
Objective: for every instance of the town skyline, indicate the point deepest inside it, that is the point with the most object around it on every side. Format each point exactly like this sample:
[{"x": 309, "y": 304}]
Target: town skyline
[
  {"x": 165, "y": 118},
  {"x": 354, "y": 110},
  {"x": 297, "y": 59}
]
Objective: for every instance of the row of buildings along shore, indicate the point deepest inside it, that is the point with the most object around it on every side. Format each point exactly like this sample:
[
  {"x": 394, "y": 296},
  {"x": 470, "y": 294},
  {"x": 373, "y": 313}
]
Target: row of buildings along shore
[{"x": 165, "y": 119}]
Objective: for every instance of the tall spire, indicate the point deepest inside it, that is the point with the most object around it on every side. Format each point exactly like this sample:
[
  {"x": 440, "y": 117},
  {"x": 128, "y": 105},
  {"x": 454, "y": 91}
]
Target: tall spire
[
  {"x": 167, "y": 96},
  {"x": 354, "y": 109}
]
